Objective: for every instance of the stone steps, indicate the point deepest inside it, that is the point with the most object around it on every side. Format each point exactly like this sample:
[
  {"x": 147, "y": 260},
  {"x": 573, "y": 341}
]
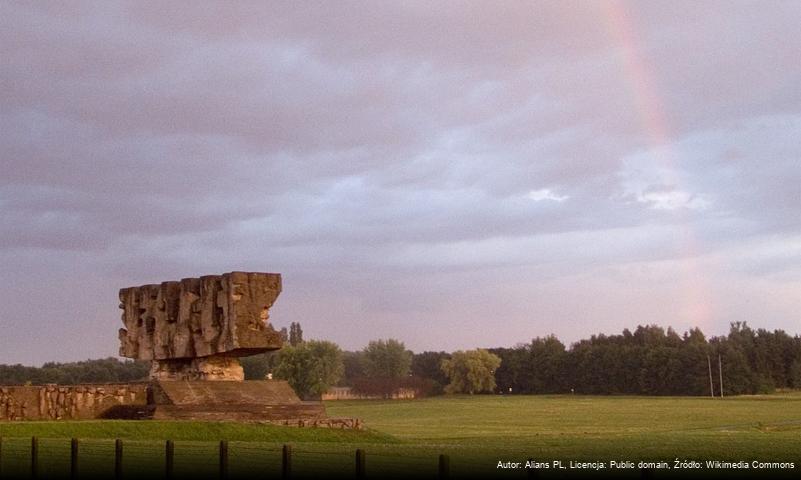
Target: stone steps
[
  {"x": 242, "y": 412},
  {"x": 256, "y": 392}
]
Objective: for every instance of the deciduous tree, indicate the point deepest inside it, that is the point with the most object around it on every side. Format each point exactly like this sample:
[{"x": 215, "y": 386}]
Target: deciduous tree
[
  {"x": 295, "y": 334},
  {"x": 311, "y": 367},
  {"x": 471, "y": 371},
  {"x": 386, "y": 359}
]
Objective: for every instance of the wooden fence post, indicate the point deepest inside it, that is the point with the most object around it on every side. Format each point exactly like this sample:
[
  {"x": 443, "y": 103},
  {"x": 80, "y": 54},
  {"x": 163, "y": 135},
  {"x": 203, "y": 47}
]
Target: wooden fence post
[
  {"x": 533, "y": 472},
  {"x": 34, "y": 457},
  {"x": 74, "y": 458},
  {"x": 223, "y": 459},
  {"x": 169, "y": 458},
  {"x": 444, "y": 466},
  {"x": 286, "y": 462},
  {"x": 118, "y": 459},
  {"x": 360, "y": 463}
]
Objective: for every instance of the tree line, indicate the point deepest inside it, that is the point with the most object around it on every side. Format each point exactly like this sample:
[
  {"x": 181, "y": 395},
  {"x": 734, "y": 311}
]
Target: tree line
[
  {"x": 654, "y": 361},
  {"x": 647, "y": 361},
  {"x": 105, "y": 370}
]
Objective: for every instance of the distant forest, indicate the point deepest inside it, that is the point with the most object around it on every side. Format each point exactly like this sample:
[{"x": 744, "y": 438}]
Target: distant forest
[
  {"x": 652, "y": 361},
  {"x": 648, "y": 361},
  {"x": 106, "y": 370}
]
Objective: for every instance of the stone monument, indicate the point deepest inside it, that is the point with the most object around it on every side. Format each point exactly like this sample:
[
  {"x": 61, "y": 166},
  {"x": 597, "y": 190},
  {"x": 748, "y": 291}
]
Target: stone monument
[
  {"x": 196, "y": 329},
  {"x": 193, "y": 331}
]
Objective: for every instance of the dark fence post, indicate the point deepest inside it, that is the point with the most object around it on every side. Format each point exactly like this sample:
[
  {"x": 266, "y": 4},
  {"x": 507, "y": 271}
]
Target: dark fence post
[
  {"x": 169, "y": 458},
  {"x": 533, "y": 472},
  {"x": 286, "y": 462},
  {"x": 34, "y": 457},
  {"x": 118, "y": 459},
  {"x": 360, "y": 463},
  {"x": 223, "y": 458},
  {"x": 74, "y": 458},
  {"x": 444, "y": 466}
]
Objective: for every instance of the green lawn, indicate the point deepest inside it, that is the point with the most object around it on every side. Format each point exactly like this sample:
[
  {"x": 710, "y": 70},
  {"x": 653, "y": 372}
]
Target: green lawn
[
  {"x": 407, "y": 436},
  {"x": 594, "y": 427}
]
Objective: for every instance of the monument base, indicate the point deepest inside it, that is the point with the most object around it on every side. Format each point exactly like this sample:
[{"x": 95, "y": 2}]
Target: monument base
[
  {"x": 213, "y": 367},
  {"x": 267, "y": 401},
  {"x": 248, "y": 400}
]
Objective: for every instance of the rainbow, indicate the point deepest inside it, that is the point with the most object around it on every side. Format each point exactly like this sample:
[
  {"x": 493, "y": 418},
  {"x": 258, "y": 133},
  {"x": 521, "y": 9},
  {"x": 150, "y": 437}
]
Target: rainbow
[{"x": 696, "y": 305}]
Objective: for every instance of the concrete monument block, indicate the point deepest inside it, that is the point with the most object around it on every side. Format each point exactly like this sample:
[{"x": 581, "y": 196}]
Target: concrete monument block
[{"x": 195, "y": 329}]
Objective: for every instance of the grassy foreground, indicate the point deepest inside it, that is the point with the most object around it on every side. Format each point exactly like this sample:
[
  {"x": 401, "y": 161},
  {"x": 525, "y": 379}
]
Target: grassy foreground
[
  {"x": 594, "y": 428},
  {"x": 405, "y": 437}
]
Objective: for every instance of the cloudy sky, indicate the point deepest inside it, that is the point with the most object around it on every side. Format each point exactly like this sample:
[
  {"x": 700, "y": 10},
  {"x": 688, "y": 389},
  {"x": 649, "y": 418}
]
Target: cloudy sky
[{"x": 451, "y": 174}]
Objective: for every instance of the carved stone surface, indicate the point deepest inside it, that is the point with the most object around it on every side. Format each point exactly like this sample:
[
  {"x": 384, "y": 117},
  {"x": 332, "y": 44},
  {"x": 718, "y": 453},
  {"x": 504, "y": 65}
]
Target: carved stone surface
[
  {"x": 214, "y": 367},
  {"x": 264, "y": 401},
  {"x": 193, "y": 331},
  {"x": 214, "y": 317},
  {"x": 57, "y": 402}
]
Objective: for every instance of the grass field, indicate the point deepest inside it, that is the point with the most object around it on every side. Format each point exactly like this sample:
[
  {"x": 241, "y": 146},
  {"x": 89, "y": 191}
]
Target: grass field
[{"x": 475, "y": 431}]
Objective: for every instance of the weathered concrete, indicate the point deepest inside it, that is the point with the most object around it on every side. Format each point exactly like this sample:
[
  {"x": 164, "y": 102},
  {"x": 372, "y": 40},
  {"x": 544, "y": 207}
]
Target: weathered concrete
[
  {"x": 213, "y": 367},
  {"x": 193, "y": 331},
  {"x": 251, "y": 400},
  {"x": 253, "y": 392},
  {"x": 262, "y": 400},
  {"x": 268, "y": 401},
  {"x": 74, "y": 402},
  {"x": 195, "y": 328}
]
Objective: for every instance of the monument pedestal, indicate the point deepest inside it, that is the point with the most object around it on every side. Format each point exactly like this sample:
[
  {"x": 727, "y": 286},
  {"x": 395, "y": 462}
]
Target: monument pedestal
[
  {"x": 193, "y": 331},
  {"x": 248, "y": 400},
  {"x": 271, "y": 401},
  {"x": 213, "y": 368}
]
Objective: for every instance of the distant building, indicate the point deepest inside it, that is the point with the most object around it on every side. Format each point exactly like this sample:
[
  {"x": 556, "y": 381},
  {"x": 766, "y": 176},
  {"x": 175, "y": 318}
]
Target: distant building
[{"x": 347, "y": 393}]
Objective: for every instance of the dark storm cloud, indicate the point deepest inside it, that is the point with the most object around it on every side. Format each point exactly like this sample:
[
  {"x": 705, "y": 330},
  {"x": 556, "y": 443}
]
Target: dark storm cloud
[{"x": 404, "y": 164}]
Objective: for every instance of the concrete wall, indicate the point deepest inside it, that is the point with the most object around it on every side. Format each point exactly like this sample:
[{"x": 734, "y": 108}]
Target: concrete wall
[
  {"x": 56, "y": 402},
  {"x": 268, "y": 401}
]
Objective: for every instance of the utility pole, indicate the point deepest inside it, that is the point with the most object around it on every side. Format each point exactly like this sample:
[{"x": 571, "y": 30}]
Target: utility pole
[
  {"x": 711, "y": 388},
  {"x": 720, "y": 371}
]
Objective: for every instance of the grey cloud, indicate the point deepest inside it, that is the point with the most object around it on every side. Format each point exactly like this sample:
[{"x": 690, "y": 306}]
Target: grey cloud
[{"x": 381, "y": 155}]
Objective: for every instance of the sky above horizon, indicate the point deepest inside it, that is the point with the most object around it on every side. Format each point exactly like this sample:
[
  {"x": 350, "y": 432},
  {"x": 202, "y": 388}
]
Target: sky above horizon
[{"x": 450, "y": 174}]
